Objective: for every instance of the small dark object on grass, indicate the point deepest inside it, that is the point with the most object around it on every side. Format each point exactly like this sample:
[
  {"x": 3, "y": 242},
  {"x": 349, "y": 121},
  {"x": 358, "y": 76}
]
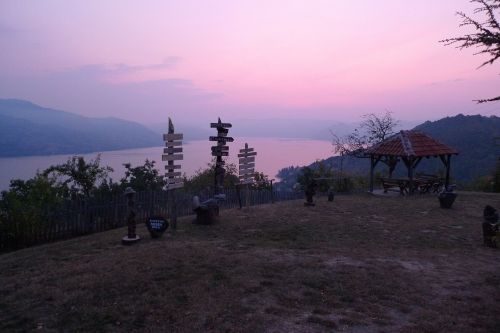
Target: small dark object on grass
[
  {"x": 447, "y": 197},
  {"x": 331, "y": 195},
  {"x": 490, "y": 226},
  {"x": 131, "y": 237},
  {"x": 207, "y": 211},
  {"x": 310, "y": 192},
  {"x": 156, "y": 226}
]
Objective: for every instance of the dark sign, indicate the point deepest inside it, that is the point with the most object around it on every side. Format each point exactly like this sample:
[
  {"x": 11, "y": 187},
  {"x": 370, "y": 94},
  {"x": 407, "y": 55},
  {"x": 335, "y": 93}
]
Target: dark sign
[
  {"x": 156, "y": 226},
  {"x": 221, "y": 138},
  {"x": 220, "y": 153}
]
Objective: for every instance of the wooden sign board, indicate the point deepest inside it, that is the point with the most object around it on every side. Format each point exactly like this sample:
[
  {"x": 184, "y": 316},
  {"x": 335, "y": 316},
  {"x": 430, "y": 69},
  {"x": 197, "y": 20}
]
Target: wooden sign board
[
  {"x": 220, "y": 125},
  {"x": 172, "y": 167},
  {"x": 173, "y": 174},
  {"x": 221, "y": 138},
  {"x": 246, "y": 150},
  {"x": 172, "y": 137},
  {"x": 220, "y": 153},
  {"x": 247, "y": 166},
  {"x": 247, "y": 154},
  {"x": 172, "y": 157},
  {"x": 173, "y": 143},
  {"x": 156, "y": 226},
  {"x": 178, "y": 184},
  {"x": 247, "y": 172},
  {"x": 247, "y": 160},
  {"x": 172, "y": 150},
  {"x": 220, "y": 148}
]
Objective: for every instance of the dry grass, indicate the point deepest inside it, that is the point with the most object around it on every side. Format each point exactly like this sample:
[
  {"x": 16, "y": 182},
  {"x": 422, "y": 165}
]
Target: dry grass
[{"x": 359, "y": 264}]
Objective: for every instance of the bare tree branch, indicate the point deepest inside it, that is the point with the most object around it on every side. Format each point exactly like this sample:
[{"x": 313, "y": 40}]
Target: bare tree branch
[{"x": 486, "y": 38}]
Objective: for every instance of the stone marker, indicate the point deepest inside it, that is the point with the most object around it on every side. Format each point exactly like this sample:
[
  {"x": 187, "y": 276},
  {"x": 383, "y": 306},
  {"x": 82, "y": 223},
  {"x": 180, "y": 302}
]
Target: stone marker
[{"x": 131, "y": 237}]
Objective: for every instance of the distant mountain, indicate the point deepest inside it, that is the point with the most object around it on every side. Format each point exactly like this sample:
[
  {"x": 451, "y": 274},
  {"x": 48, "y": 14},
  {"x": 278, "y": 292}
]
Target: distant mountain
[
  {"x": 29, "y": 129},
  {"x": 472, "y": 136}
]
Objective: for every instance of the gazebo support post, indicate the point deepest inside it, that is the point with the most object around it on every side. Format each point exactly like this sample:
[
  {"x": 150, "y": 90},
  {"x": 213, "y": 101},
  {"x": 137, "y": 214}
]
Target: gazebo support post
[
  {"x": 447, "y": 163},
  {"x": 410, "y": 174},
  {"x": 373, "y": 164},
  {"x": 447, "y": 180}
]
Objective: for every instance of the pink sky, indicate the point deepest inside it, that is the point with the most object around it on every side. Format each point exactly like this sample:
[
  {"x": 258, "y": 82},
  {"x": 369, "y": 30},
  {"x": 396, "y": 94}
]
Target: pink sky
[{"x": 196, "y": 60}]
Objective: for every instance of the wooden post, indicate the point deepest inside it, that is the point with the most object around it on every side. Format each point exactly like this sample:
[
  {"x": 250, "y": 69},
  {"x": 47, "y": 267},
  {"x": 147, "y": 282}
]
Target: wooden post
[
  {"x": 247, "y": 203},
  {"x": 246, "y": 169},
  {"x": 174, "y": 210},
  {"x": 238, "y": 193},
  {"x": 447, "y": 180},
  {"x": 131, "y": 237},
  {"x": 272, "y": 192},
  {"x": 218, "y": 151},
  {"x": 372, "y": 166},
  {"x": 410, "y": 174},
  {"x": 173, "y": 145}
]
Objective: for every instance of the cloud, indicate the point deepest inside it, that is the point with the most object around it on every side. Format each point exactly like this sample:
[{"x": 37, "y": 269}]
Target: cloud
[
  {"x": 117, "y": 69},
  {"x": 83, "y": 91}
]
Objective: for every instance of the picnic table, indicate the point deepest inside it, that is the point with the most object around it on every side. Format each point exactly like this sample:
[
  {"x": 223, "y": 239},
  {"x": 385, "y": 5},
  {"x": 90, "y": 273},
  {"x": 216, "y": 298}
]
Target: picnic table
[{"x": 422, "y": 183}]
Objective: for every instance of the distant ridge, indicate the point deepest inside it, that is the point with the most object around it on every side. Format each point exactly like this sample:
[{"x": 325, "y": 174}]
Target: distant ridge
[{"x": 30, "y": 129}]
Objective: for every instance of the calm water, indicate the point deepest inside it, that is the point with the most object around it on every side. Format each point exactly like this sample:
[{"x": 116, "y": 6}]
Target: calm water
[{"x": 272, "y": 155}]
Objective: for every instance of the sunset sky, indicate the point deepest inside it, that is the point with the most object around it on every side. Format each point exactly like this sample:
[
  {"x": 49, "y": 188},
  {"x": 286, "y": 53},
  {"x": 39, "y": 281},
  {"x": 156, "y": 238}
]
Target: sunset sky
[{"x": 196, "y": 60}]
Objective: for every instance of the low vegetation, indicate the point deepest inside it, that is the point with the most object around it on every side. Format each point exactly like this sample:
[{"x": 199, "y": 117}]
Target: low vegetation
[{"x": 359, "y": 264}]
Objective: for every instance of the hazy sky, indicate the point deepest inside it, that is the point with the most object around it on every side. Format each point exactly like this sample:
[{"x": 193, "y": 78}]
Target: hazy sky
[{"x": 196, "y": 60}]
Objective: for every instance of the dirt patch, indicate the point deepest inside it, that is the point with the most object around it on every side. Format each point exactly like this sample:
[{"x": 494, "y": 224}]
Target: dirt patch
[{"x": 358, "y": 264}]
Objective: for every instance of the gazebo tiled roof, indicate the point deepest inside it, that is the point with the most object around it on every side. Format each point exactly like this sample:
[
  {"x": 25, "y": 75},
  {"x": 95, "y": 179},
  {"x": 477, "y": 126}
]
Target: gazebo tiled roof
[{"x": 410, "y": 144}]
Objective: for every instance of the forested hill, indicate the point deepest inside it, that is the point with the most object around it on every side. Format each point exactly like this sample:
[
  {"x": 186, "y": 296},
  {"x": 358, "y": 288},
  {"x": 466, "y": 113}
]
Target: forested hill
[
  {"x": 29, "y": 129},
  {"x": 473, "y": 136}
]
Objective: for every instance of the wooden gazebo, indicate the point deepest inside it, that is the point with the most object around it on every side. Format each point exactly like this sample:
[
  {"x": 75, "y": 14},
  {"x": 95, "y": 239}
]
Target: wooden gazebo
[{"x": 410, "y": 147}]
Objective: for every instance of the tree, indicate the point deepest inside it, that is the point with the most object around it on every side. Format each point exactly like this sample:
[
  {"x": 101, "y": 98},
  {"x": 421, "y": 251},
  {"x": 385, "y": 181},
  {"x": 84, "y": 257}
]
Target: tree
[
  {"x": 143, "y": 178},
  {"x": 79, "y": 176},
  {"x": 486, "y": 36},
  {"x": 27, "y": 207},
  {"x": 204, "y": 178},
  {"x": 373, "y": 129}
]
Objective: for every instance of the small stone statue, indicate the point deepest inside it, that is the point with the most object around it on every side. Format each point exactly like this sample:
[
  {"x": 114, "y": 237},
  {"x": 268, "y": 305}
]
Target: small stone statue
[
  {"x": 491, "y": 235},
  {"x": 131, "y": 237},
  {"x": 310, "y": 192}
]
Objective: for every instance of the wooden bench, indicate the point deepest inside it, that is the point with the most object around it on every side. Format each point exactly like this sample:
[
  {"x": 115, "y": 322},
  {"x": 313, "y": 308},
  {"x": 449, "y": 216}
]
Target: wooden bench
[
  {"x": 393, "y": 184},
  {"x": 425, "y": 183}
]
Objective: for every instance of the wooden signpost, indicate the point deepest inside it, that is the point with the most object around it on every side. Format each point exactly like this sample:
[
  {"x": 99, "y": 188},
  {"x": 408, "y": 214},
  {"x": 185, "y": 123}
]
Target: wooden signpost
[
  {"x": 247, "y": 169},
  {"x": 220, "y": 150},
  {"x": 171, "y": 153}
]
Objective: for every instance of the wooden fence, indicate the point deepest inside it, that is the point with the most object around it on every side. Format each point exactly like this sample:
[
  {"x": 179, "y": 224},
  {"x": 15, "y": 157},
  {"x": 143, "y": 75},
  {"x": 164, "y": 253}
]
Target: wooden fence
[{"x": 80, "y": 217}]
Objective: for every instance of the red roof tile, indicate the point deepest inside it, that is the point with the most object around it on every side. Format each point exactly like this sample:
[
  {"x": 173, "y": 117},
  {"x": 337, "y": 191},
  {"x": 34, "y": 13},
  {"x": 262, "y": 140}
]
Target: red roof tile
[{"x": 410, "y": 143}]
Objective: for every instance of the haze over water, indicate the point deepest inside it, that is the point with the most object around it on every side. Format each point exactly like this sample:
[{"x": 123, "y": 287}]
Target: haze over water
[{"x": 272, "y": 155}]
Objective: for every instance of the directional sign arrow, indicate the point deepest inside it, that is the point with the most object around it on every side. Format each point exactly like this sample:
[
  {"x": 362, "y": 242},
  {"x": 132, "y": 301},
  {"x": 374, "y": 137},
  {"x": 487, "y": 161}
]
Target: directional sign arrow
[
  {"x": 247, "y": 166},
  {"x": 220, "y": 148},
  {"x": 172, "y": 150},
  {"x": 220, "y": 153},
  {"x": 221, "y": 138},
  {"x": 247, "y": 154},
  {"x": 247, "y": 160},
  {"x": 172, "y": 137},
  {"x": 173, "y": 174},
  {"x": 172, "y": 157},
  {"x": 174, "y": 186},
  {"x": 173, "y": 143},
  {"x": 220, "y": 124},
  {"x": 172, "y": 167}
]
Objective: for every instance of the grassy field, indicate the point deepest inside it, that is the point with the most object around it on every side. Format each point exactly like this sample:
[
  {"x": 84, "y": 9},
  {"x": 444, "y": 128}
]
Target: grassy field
[{"x": 359, "y": 264}]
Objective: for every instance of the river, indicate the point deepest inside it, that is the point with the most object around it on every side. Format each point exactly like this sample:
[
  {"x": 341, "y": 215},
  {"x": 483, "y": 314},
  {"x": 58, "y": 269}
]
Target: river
[{"x": 272, "y": 155}]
